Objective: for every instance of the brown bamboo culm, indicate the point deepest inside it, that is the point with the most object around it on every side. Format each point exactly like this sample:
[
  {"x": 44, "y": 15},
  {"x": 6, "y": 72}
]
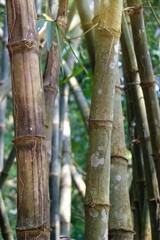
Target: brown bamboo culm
[{"x": 32, "y": 172}]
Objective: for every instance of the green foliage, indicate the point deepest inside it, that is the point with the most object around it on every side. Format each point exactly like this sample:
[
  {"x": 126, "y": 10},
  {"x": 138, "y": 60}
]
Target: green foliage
[
  {"x": 49, "y": 34},
  {"x": 40, "y": 24}
]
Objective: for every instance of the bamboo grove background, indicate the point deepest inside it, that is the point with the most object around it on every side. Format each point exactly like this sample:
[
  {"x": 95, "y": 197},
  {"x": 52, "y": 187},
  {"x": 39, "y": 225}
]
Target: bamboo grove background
[{"x": 79, "y": 119}]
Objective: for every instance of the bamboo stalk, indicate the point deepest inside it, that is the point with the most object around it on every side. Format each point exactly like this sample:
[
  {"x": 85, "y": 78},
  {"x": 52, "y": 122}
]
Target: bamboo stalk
[
  {"x": 78, "y": 94},
  {"x": 137, "y": 157},
  {"x": 32, "y": 172},
  {"x": 52, "y": 70},
  {"x": 4, "y": 222},
  {"x": 96, "y": 7},
  {"x": 53, "y": 7},
  {"x": 39, "y": 7},
  {"x": 146, "y": 226},
  {"x": 78, "y": 181},
  {"x": 120, "y": 221},
  {"x": 143, "y": 130},
  {"x": 4, "y": 75},
  {"x": 73, "y": 83},
  {"x": 55, "y": 176},
  {"x": 147, "y": 79},
  {"x": 101, "y": 119},
  {"x": 86, "y": 20},
  {"x": 7, "y": 166},
  {"x": 65, "y": 194},
  {"x": 71, "y": 14}
]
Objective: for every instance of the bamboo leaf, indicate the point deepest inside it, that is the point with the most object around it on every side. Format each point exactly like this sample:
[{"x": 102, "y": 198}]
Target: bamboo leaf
[
  {"x": 40, "y": 24},
  {"x": 49, "y": 34},
  {"x": 75, "y": 73}
]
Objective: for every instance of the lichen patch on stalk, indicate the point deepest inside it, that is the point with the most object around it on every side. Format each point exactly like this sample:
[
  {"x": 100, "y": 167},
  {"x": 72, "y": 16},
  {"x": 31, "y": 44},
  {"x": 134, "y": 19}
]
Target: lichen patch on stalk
[
  {"x": 100, "y": 148},
  {"x": 96, "y": 161},
  {"x": 104, "y": 215},
  {"x": 112, "y": 65},
  {"x": 118, "y": 178},
  {"x": 106, "y": 234},
  {"x": 116, "y": 47},
  {"x": 93, "y": 213},
  {"x": 100, "y": 91}
]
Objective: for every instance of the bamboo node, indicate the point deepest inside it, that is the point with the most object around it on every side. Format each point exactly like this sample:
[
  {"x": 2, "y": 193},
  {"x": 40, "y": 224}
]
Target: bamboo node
[
  {"x": 141, "y": 180},
  {"x": 112, "y": 31},
  {"x": 61, "y": 22},
  {"x": 54, "y": 226},
  {"x": 95, "y": 19},
  {"x": 100, "y": 122},
  {"x": 54, "y": 174},
  {"x": 23, "y": 44},
  {"x": 88, "y": 25},
  {"x": 125, "y": 230},
  {"x": 128, "y": 86},
  {"x": 134, "y": 9},
  {"x": 92, "y": 204},
  {"x": 155, "y": 156},
  {"x": 28, "y": 138},
  {"x": 66, "y": 238},
  {"x": 118, "y": 88},
  {"x": 120, "y": 156},
  {"x": 136, "y": 141},
  {"x": 49, "y": 87},
  {"x": 147, "y": 84},
  {"x": 43, "y": 228}
]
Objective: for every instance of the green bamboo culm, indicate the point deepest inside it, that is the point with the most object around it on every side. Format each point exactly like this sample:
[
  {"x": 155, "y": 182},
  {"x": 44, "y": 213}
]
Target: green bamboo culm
[
  {"x": 101, "y": 120},
  {"x": 147, "y": 79},
  {"x": 120, "y": 220},
  {"x": 85, "y": 14},
  {"x": 142, "y": 128}
]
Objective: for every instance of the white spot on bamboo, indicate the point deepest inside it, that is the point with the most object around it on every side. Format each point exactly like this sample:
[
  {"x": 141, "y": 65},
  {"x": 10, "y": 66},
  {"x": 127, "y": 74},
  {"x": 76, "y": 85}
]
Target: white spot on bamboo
[
  {"x": 156, "y": 122},
  {"x": 106, "y": 234},
  {"x": 112, "y": 166},
  {"x": 30, "y": 128},
  {"x": 104, "y": 216},
  {"x": 101, "y": 160},
  {"x": 116, "y": 58},
  {"x": 93, "y": 192},
  {"x": 107, "y": 2},
  {"x": 95, "y": 161},
  {"x": 93, "y": 213},
  {"x": 100, "y": 148},
  {"x": 112, "y": 65},
  {"x": 118, "y": 178},
  {"x": 97, "y": 154},
  {"x": 140, "y": 31},
  {"x": 116, "y": 47},
  {"x": 100, "y": 91}
]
